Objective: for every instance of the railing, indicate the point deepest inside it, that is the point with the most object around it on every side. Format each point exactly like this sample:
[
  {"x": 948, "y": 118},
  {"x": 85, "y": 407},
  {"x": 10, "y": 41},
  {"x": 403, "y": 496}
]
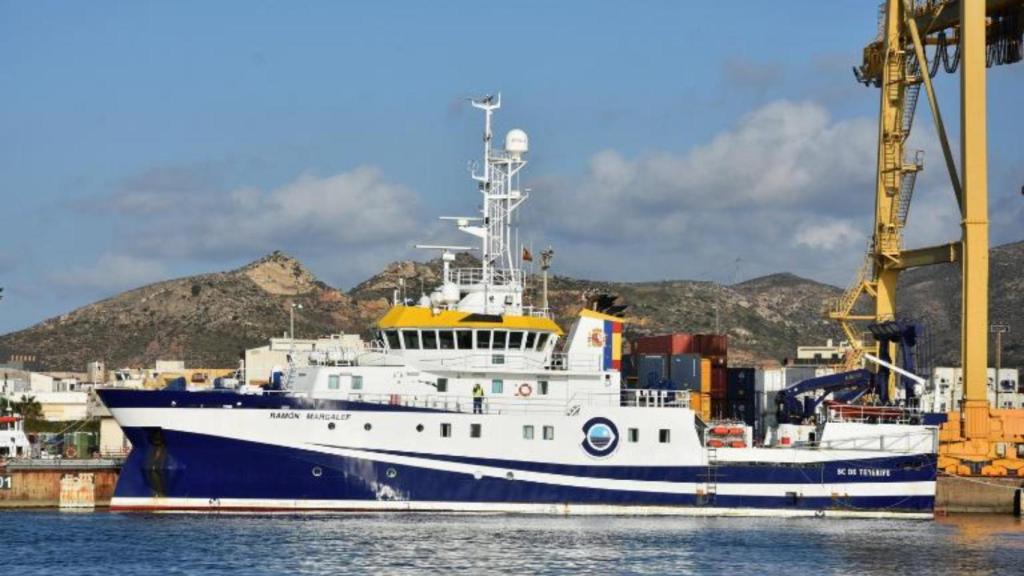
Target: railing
[
  {"x": 867, "y": 414},
  {"x": 494, "y": 277},
  {"x": 494, "y": 404},
  {"x": 517, "y": 361},
  {"x": 926, "y": 441}
]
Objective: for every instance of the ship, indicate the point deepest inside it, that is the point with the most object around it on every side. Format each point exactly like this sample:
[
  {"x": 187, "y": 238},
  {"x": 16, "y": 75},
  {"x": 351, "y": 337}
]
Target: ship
[{"x": 472, "y": 399}]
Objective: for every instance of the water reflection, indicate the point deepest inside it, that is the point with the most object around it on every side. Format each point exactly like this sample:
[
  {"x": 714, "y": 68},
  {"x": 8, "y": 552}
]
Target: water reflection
[{"x": 416, "y": 544}]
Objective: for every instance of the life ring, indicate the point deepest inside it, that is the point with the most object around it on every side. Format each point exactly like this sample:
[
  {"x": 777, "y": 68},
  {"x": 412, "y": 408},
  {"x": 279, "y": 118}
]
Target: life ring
[
  {"x": 70, "y": 452},
  {"x": 525, "y": 390}
]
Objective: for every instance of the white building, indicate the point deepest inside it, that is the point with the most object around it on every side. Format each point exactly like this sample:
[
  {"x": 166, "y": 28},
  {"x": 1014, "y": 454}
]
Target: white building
[
  {"x": 945, "y": 389},
  {"x": 830, "y": 353},
  {"x": 260, "y": 362}
]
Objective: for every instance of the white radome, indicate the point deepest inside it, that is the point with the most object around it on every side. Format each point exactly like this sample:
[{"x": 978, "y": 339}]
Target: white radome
[{"x": 517, "y": 142}]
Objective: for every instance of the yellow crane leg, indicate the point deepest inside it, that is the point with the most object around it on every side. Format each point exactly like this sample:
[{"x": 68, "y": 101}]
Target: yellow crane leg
[{"x": 974, "y": 172}]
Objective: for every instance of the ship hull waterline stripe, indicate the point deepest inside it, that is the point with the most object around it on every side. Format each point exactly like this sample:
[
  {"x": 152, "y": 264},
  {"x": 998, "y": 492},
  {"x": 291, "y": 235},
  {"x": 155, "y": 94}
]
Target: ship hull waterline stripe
[{"x": 242, "y": 506}]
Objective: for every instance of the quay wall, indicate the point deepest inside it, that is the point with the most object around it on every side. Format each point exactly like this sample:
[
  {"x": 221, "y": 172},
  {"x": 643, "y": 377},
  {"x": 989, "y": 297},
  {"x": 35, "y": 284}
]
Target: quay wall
[
  {"x": 974, "y": 494},
  {"x": 38, "y": 485}
]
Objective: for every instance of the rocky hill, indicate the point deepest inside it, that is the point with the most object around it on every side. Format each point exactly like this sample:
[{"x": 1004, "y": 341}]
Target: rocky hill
[{"x": 208, "y": 320}]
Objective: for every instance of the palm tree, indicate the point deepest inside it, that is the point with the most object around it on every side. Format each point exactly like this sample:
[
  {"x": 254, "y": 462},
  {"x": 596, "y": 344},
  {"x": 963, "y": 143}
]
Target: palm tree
[{"x": 29, "y": 408}]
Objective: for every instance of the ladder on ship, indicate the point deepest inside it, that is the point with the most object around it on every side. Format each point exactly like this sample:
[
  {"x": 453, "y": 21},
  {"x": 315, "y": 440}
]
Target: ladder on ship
[{"x": 710, "y": 477}]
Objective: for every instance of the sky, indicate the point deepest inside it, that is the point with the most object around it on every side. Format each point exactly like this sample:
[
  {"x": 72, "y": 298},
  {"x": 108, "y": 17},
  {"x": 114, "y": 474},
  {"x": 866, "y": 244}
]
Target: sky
[{"x": 141, "y": 141}]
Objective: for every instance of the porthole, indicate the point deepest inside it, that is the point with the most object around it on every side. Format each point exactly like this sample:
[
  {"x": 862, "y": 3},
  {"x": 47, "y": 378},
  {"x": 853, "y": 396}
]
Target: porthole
[
  {"x": 391, "y": 473},
  {"x": 419, "y": 427},
  {"x": 367, "y": 426},
  {"x": 317, "y": 472},
  {"x": 510, "y": 475},
  {"x": 330, "y": 425}
]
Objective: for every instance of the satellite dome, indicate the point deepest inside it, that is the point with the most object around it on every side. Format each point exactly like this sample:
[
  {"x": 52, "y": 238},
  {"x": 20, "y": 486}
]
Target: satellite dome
[{"x": 516, "y": 142}]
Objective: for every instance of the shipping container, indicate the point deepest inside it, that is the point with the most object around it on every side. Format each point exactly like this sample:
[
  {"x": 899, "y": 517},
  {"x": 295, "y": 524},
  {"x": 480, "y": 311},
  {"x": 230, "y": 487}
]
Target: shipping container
[
  {"x": 740, "y": 383},
  {"x": 742, "y": 410},
  {"x": 705, "y": 376},
  {"x": 667, "y": 345},
  {"x": 628, "y": 371},
  {"x": 651, "y": 370},
  {"x": 719, "y": 380},
  {"x": 684, "y": 372},
  {"x": 712, "y": 345}
]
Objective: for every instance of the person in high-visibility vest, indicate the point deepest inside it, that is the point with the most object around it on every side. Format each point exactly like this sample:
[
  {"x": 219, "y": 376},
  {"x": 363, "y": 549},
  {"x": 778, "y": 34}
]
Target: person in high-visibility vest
[{"x": 478, "y": 399}]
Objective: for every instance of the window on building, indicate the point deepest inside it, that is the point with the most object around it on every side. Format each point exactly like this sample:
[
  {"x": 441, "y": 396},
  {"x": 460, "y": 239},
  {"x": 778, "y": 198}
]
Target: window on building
[
  {"x": 446, "y": 339},
  {"x": 528, "y": 432},
  {"x": 411, "y": 339},
  {"x": 515, "y": 340},
  {"x": 464, "y": 338},
  {"x": 429, "y": 339},
  {"x": 664, "y": 435},
  {"x": 442, "y": 384},
  {"x": 483, "y": 339},
  {"x": 333, "y": 382},
  {"x": 549, "y": 432},
  {"x": 392, "y": 337},
  {"x": 446, "y": 430},
  {"x": 357, "y": 382},
  {"x": 531, "y": 339},
  {"x": 633, "y": 435},
  {"x": 497, "y": 386},
  {"x": 474, "y": 430},
  {"x": 500, "y": 340},
  {"x": 542, "y": 340},
  {"x": 542, "y": 387}
]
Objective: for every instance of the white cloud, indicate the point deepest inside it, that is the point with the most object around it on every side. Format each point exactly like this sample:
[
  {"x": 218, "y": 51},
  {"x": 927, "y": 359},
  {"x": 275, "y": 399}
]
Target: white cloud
[
  {"x": 830, "y": 234},
  {"x": 346, "y": 211},
  {"x": 112, "y": 272},
  {"x": 786, "y": 183}
]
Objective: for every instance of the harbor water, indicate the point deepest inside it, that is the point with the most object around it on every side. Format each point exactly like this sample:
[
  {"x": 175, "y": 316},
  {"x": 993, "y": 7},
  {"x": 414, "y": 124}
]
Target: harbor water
[{"x": 111, "y": 543}]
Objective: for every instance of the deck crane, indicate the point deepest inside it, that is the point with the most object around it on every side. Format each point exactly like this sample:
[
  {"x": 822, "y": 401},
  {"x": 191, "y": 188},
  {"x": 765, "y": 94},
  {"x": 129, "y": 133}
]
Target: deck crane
[{"x": 969, "y": 35}]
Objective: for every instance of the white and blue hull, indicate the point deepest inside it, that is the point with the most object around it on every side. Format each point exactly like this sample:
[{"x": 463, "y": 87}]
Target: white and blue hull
[{"x": 226, "y": 452}]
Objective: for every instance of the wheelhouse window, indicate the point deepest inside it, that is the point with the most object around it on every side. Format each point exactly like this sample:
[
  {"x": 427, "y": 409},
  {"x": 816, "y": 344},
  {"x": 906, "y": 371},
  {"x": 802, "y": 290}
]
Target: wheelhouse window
[
  {"x": 464, "y": 338},
  {"x": 515, "y": 340},
  {"x": 392, "y": 337},
  {"x": 531, "y": 340},
  {"x": 411, "y": 339},
  {"x": 500, "y": 340},
  {"x": 497, "y": 358},
  {"x": 483, "y": 339},
  {"x": 333, "y": 382},
  {"x": 428, "y": 338},
  {"x": 542, "y": 340},
  {"x": 447, "y": 339},
  {"x": 357, "y": 382}
]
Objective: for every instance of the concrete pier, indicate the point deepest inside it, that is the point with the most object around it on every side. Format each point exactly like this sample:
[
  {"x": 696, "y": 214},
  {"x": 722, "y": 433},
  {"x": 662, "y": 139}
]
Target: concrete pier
[
  {"x": 976, "y": 495},
  {"x": 57, "y": 483}
]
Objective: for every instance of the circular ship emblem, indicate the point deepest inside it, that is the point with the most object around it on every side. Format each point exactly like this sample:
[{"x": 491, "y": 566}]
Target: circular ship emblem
[
  {"x": 600, "y": 437},
  {"x": 597, "y": 337}
]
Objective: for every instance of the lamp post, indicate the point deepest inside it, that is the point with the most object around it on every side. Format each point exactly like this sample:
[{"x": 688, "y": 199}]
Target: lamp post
[
  {"x": 291, "y": 321},
  {"x": 999, "y": 330}
]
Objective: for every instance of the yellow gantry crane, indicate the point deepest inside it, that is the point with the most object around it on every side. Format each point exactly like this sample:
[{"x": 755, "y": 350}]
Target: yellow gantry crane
[{"x": 969, "y": 35}]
